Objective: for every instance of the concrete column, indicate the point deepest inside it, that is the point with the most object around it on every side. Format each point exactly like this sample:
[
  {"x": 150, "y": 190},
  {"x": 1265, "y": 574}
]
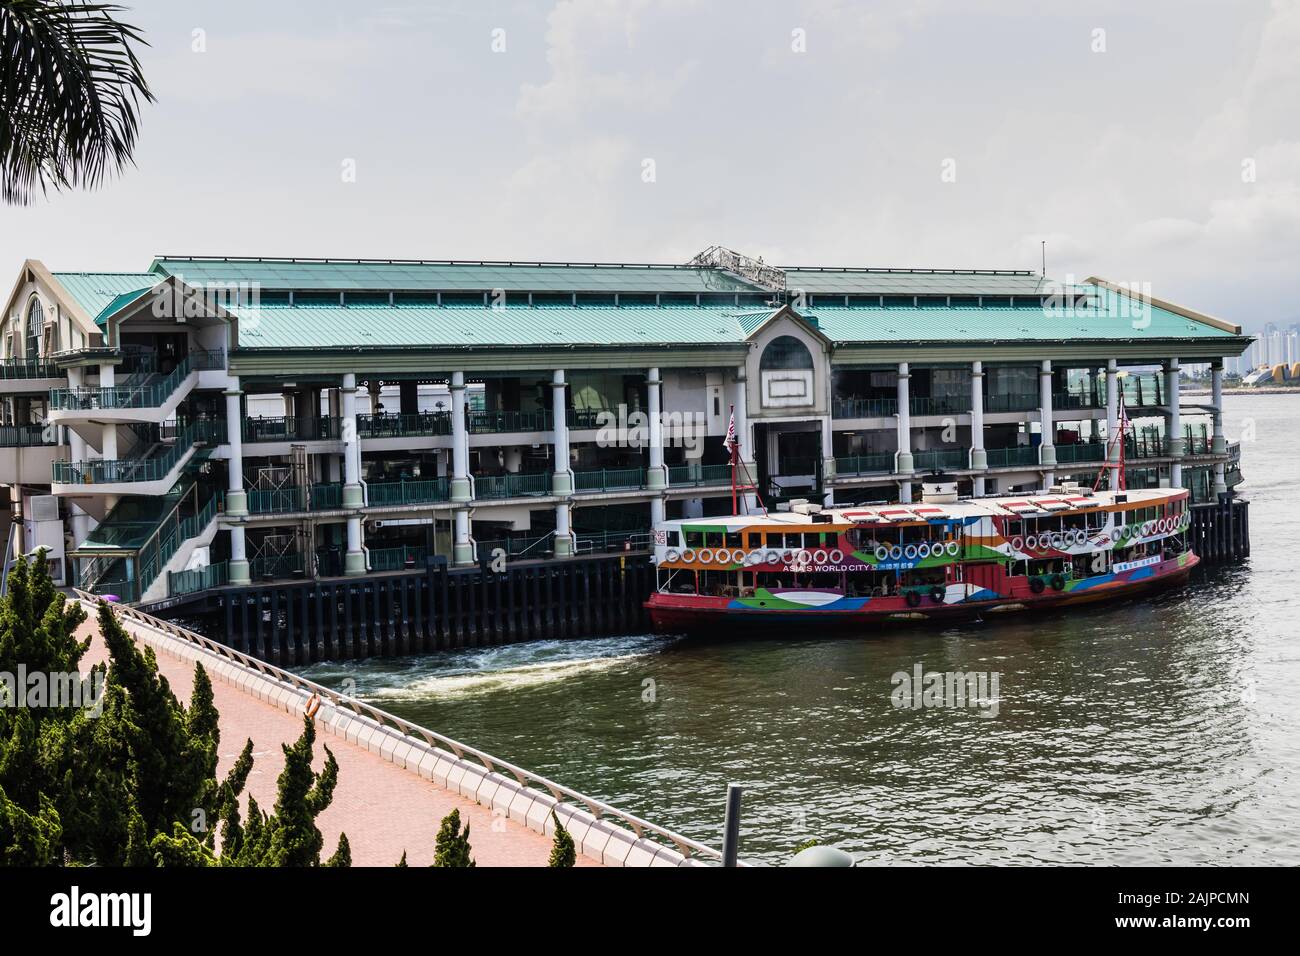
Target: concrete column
[
  {"x": 1220, "y": 441},
  {"x": 1112, "y": 423},
  {"x": 740, "y": 400},
  {"x": 828, "y": 463},
  {"x": 979, "y": 459},
  {"x": 107, "y": 375},
  {"x": 354, "y": 560},
  {"x": 1047, "y": 450},
  {"x": 236, "y": 498},
  {"x": 1177, "y": 444},
  {"x": 562, "y": 478},
  {"x": 462, "y": 486},
  {"x": 903, "y": 463},
  {"x": 657, "y": 475}
]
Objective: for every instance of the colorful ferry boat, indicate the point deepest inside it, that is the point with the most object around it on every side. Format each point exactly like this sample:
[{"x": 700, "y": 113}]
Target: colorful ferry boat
[{"x": 943, "y": 559}]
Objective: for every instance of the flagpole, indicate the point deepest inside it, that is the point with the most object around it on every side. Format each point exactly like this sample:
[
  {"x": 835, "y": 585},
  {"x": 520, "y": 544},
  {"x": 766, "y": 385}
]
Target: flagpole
[{"x": 734, "y": 442}]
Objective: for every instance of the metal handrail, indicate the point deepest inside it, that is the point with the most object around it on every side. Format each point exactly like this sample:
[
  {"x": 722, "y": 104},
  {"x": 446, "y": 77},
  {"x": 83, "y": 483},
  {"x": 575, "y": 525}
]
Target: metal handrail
[{"x": 597, "y": 808}]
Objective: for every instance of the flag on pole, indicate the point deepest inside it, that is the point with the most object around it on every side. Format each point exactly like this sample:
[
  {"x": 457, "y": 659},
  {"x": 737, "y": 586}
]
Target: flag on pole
[{"x": 729, "y": 442}]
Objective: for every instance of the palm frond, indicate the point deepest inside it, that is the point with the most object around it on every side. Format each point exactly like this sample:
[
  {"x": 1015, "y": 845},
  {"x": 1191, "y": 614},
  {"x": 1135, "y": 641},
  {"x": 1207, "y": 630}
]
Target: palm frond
[{"x": 70, "y": 92}]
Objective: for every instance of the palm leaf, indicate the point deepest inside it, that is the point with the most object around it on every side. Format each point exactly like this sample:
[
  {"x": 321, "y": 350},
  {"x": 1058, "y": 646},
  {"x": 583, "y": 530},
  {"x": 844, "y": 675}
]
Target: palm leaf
[{"x": 70, "y": 91}]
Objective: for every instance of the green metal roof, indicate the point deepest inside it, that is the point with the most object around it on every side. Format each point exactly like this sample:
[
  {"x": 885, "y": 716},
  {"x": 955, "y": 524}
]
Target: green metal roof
[
  {"x": 101, "y": 293},
  {"x": 344, "y": 275},
  {"x": 329, "y": 326},
  {"x": 1114, "y": 317},
  {"x": 819, "y": 281}
]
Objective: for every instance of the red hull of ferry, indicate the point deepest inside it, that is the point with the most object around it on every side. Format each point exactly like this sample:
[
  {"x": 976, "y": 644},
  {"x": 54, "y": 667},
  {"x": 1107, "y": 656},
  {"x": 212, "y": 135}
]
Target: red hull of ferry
[{"x": 699, "y": 614}]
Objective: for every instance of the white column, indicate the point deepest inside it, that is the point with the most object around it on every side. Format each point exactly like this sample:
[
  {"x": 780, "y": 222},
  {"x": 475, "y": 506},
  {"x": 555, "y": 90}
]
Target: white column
[
  {"x": 462, "y": 487},
  {"x": 562, "y": 477},
  {"x": 354, "y": 560},
  {"x": 1112, "y": 423},
  {"x": 77, "y": 450},
  {"x": 903, "y": 463},
  {"x": 1220, "y": 441},
  {"x": 657, "y": 475},
  {"x": 979, "y": 459},
  {"x": 236, "y": 498},
  {"x": 1177, "y": 445},
  {"x": 828, "y": 462},
  {"x": 1047, "y": 449},
  {"x": 740, "y": 399}
]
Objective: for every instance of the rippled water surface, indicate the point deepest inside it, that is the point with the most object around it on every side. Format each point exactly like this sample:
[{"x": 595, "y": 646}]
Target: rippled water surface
[{"x": 1144, "y": 733}]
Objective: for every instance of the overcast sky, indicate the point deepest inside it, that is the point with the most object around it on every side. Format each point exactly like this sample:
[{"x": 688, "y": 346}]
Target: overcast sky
[{"x": 1156, "y": 142}]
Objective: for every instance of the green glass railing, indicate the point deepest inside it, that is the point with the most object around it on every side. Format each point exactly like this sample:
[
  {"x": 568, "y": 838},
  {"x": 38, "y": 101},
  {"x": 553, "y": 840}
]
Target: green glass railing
[
  {"x": 268, "y": 567},
  {"x": 324, "y": 496},
  {"x": 871, "y": 464},
  {"x": 512, "y": 486},
  {"x": 585, "y": 418},
  {"x": 150, "y": 395},
  {"x": 1071, "y": 454},
  {"x": 1022, "y": 402},
  {"x": 395, "y": 559},
  {"x": 1143, "y": 391},
  {"x": 292, "y": 428},
  {"x": 1011, "y": 457},
  {"x": 199, "y": 579},
  {"x": 940, "y": 404},
  {"x": 490, "y": 422},
  {"x": 420, "y": 425},
  {"x": 114, "y": 470},
  {"x": 689, "y": 476},
  {"x": 939, "y": 458},
  {"x": 1077, "y": 399},
  {"x": 407, "y": 492},
  {"x": 23, "y": 368},
  {"x": 864, "y": 407},
  {"x": 27, "y": 436},
  {"x": 609, "y": 479}
]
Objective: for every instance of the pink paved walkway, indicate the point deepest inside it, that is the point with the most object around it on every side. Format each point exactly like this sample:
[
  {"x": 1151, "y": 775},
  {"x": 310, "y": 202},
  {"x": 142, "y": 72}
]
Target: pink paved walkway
[{"x": 383, "y": 808}]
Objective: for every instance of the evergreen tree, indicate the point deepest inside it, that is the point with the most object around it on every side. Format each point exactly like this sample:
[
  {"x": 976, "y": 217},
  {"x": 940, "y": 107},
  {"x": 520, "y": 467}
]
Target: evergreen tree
[
  {"x": 29, "y": 839},
  {"x": 343, "y": 855},
  {"x": 452, "y": 847},
  {"x": 562, "y": 849},
  {"x": 402, "y": 862}
]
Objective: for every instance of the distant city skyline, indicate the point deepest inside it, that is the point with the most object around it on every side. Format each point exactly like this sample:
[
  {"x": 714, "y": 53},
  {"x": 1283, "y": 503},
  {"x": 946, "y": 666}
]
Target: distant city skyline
[{"x": 1157, "y": 144}]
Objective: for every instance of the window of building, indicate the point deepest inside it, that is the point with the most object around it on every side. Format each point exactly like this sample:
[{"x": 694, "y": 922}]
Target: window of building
[
  {"x": 786, "y": 352},
  {"x": 35, "y": 324}
]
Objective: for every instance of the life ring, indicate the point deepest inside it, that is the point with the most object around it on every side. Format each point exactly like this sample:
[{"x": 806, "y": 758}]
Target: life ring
[
  {"x": 1057, "y": 541},
  {"x": 953, "y": 549},
  {"x": 805, "y": 557},
  {"x": 882, "y": 553},
  {"x": 910, "y": 552},
  {"x": 673, "y": 555},
  {"x": 836, "y": 556},
  {"x": 1057, "y": 582},
  {"x": 923, "y": 549},
  {"x": 726, "y": 557},
  {"x": 937, "y": 594},
  {"x": 1036, "y": 585},
  {"x": 1017, "y": 543},
  {"x": 773, "y": 557},
  {"x": 313, "y": 705},
  {"x": 1031, "y": 542},
  {"x": 1114, "y": 535},
  {"x": 896, "y": 552},
  {"x": 913, "y": 598},
  {"x": 753, "y": 558},
  {"x": 819, "y": 556},
  {"x": 689, "y": 555},
  {"x": 787, "y": 557},
  {"x": 1146, "y": 529},
  {"x": 706, "y": 555},
  {"x": 1080, "y": 536}
]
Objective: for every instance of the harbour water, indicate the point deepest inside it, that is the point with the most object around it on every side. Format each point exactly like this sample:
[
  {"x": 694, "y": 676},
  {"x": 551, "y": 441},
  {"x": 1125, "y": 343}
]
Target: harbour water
[{"x": 1165, "y": 731}]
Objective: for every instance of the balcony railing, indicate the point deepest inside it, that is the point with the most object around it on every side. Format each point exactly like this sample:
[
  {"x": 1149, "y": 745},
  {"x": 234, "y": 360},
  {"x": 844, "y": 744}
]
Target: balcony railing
[
  {"x": 492, "y": 422},
  {"x": 681, "y": 476},
  {"x": 1076, "y": 399},
  {"x": 939, "y": 458},
  {"x": 1143, "y": 391},
  {"x": 325, "y": 496},
  {"x": 423, "y": 424},
  {"x": 199, "y": 579},
  {"x": 1012, "y": 457},
  {"x": 14, "y": 369},
  {"x": 878, "y": 463},
  {"x": 407, "y": 492},
  {"x": 940, "y": 404},
  {"x": 1021, "y": 402},
  {"x": 27, "y": 436},
  {"x": 864, "y": 407},
  {"x": 584, "y": 418},
  {"x": 292, "y": 428},
  {"x": 1072, "y": 454},
  {"x": 1147, "y": 447},
  {"x": 395, "y": 559},
  {"x": 609, "y": 479},
  {"x": 512, "y": 485},
  {"x": 139, "y": 469},
  {"x": 149, "y": 395}
]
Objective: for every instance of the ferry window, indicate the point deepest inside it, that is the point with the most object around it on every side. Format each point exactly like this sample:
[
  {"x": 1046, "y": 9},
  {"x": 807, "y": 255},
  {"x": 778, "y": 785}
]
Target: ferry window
[
  {"x": 1015, "y": 528},
  {"x": 713, "y": 539},
  {"x": 733, "y": 539},
  {"x": 694, "y": 539},
  {"x": 673, "y": 538}
]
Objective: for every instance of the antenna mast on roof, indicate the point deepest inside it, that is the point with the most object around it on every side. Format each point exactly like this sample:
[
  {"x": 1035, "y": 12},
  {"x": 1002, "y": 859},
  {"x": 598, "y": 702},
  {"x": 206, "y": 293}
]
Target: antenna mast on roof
[
  {"x": 746, "y": 268},
  {"x": 1044, "y": 272}
]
